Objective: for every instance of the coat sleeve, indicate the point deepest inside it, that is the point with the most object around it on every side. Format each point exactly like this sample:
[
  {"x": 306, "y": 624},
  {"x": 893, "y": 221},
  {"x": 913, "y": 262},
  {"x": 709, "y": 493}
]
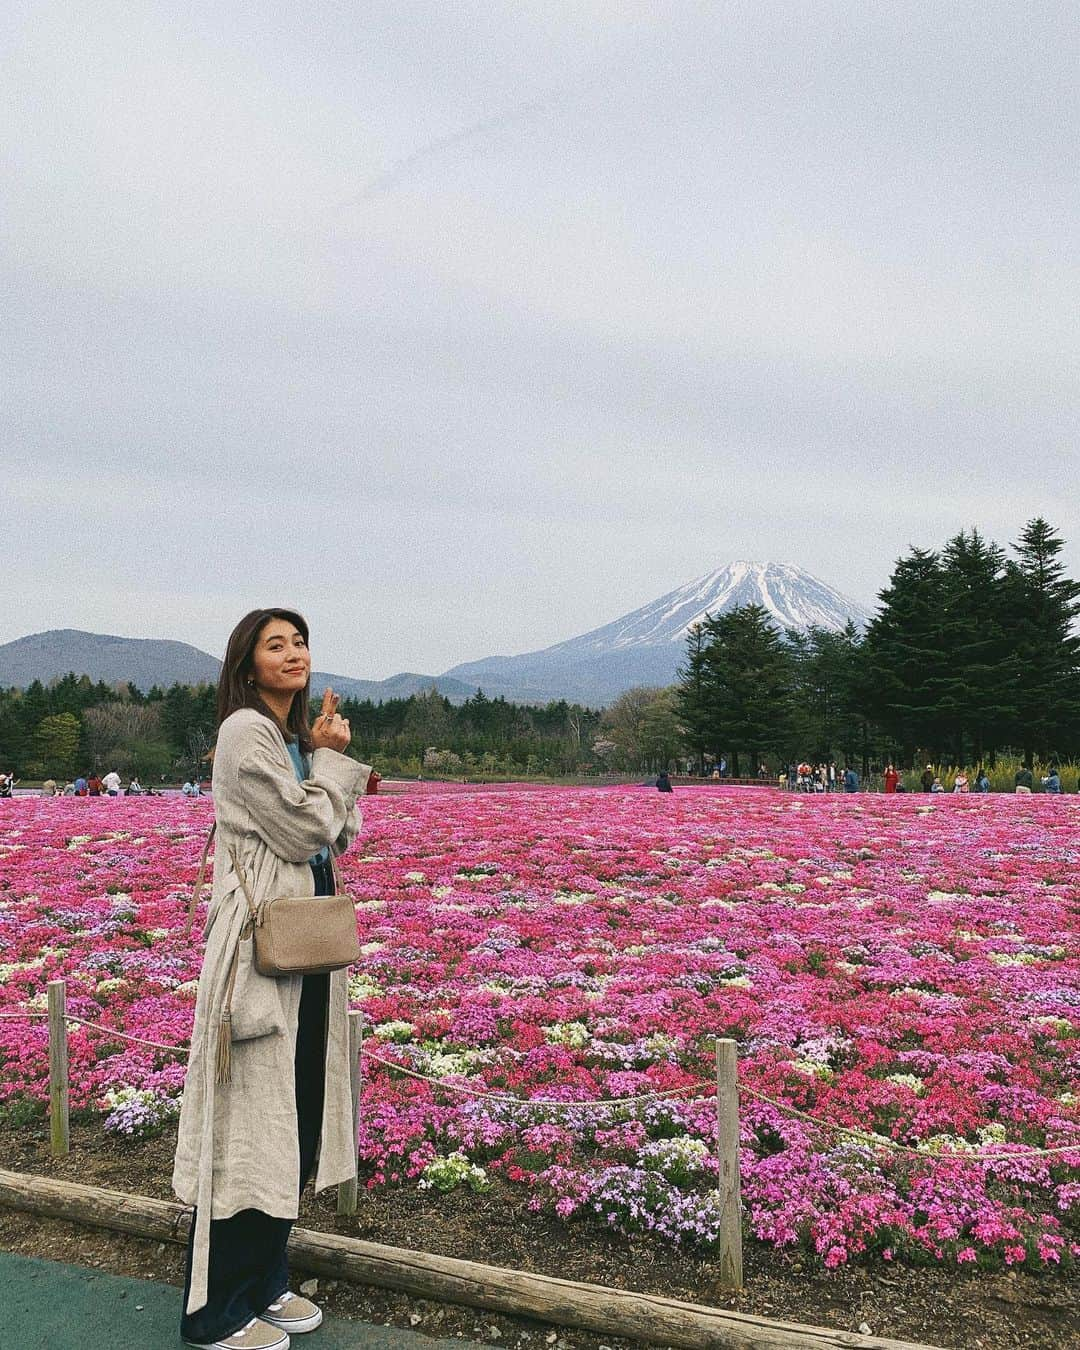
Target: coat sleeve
[{"x": 297, "y": 819}]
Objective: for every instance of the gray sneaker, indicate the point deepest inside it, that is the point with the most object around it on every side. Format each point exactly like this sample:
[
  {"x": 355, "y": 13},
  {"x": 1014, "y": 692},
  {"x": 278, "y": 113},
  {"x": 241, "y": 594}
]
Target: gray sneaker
[
  {"x": 292, "y": 1313},
  {"x": 257, "y": 1335}
]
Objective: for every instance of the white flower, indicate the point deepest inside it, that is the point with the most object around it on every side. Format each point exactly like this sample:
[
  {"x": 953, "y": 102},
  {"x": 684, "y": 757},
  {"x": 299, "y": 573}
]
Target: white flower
[
  {"x": 908, "y": 1080},
  {"x": 395, "y": 1031},
  {"x": 444, "y": 1174},
  {"x": 575, "y": 1034}
]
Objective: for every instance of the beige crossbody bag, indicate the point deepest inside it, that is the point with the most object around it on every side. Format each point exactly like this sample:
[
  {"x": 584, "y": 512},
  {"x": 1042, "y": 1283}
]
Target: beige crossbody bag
[
  {"x": 291, "y": 935},
  {"x": 294, "y": 934}
]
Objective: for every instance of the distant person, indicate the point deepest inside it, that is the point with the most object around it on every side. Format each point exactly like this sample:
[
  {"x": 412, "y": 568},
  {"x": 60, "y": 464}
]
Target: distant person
[
  {"x": 7, "y": 784},
  {"x": 716, "y": 772},
  {"x": 900, "y": 787},
  {"x": 982, "y": 782},
  {"x": 1023, "y": 781},
  {"x": 926, "y": 779},
  {"x": 891, "y": 778},
  {"x": 937, "y": 785},
  {"x": 663, "y": 782},
  {"x": 111, "y": 783},
  {"x": 81, "y": 787},
  {"x": 190, "y": 789},
  {"x": 134, "y": 788},
  {"x": 94, "y": 785},
  {"x": 723, "y": 766},
  {"x": 1052, "y": 781},
  {"x": 49, "y": 788},
  {"x": 960, "y": 782},
  {"x": 851, "y": 779}
]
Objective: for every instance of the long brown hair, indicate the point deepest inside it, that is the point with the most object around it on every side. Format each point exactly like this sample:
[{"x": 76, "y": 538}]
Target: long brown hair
[{"x": 234, "y": 690}]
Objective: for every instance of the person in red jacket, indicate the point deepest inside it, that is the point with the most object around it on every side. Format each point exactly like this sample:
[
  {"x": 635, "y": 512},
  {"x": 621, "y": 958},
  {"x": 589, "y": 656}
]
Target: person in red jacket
[{"x": 891, "y": 779}]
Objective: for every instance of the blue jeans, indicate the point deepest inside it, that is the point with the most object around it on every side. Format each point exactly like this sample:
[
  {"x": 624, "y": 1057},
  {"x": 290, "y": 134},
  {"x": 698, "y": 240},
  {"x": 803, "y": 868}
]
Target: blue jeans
[{"x": 248, "y": 1266}]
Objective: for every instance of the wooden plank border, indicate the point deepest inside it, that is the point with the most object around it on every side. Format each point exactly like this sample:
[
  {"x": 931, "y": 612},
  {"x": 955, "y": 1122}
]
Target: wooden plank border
[{"x": 615, "y": 1312}]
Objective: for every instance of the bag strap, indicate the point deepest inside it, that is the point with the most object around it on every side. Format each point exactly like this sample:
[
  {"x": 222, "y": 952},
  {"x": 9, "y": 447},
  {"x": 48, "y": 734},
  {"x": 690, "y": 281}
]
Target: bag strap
[
  {"x": 199, "y": 880},
  {"x": 254, "y": 909},
  {"x": 256, "y": 916}
]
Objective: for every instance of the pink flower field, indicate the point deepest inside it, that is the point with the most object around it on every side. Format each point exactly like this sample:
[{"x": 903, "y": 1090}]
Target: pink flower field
[{"x": 906, "y": 968}]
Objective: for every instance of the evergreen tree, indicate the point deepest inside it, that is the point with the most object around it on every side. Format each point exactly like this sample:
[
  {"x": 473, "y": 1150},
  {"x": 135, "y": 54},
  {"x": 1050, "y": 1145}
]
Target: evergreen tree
[
  {"x": 827, "y": 721},
  {"x": 747, "y": 684},
  {"x": 905, "y": 664},
  {"x": 1043, "y": 605},
  {"x": 975, "y": 691},
  {"x": 15, "y": 733},
  {"x": 56, "y": 745},
  {"x": 691, "y": 696}
]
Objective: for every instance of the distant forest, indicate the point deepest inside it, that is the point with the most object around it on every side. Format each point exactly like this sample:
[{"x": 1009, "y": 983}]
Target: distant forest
[
  {"x": 73, "y": 725},
  {"x": 972, "y": 655}
]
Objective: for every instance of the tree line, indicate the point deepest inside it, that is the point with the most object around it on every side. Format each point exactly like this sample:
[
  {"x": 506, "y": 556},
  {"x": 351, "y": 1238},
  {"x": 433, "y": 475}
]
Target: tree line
[{"x": 74, "y": 725}]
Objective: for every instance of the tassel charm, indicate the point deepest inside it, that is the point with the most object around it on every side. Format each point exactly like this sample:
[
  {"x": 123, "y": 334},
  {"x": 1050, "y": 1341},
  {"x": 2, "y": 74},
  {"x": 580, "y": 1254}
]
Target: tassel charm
[
  {"x": 224, "y": 1044},
  {"x": 224, "y": 1049}
]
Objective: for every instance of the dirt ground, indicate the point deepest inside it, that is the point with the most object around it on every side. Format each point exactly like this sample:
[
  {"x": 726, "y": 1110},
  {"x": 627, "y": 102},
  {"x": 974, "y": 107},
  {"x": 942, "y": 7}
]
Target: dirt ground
[{"x": 970, "y": 1311}]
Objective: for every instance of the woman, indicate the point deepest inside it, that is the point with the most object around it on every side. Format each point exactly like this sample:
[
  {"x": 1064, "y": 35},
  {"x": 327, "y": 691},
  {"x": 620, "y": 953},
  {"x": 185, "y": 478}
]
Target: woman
[{"x": 267, "y": 1092}]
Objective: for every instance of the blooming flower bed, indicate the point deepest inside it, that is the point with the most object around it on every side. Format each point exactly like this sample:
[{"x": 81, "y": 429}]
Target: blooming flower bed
[{"x": 905, "y": 968}]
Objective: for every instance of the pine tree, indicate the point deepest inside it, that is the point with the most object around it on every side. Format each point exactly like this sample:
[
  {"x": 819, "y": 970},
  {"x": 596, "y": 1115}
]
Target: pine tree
[
  {"x": 976, "y": 691},
  {"x": 747, "y": 684},
  {"x": 56, "y": 743},
  {"x": 904, "y": 665},
  {"x": 1043, "y": 608},
  {"x": 691, "y": 696},
  {"x": 827, "y": 722}
]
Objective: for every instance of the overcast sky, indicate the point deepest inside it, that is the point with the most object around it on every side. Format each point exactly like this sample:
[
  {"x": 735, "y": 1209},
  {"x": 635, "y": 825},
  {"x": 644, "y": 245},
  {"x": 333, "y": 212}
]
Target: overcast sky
[{"x": 469, "y": 326}]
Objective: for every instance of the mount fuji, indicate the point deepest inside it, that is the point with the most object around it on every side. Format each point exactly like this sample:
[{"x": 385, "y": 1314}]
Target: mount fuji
[{"x": 647, "y": 645}]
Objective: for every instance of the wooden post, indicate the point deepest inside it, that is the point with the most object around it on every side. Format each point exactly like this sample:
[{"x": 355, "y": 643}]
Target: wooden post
[
  {"x": 346, "y": 1194},
  {"x": 58, "y": 1068},
  {"x": 728, "y": 1188}
]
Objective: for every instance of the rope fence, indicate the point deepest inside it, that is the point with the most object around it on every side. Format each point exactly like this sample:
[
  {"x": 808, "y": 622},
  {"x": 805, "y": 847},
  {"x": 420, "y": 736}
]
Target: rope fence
[
  {"x": 603, "y": 1103},
  {"x": 725, "y": 1087}
]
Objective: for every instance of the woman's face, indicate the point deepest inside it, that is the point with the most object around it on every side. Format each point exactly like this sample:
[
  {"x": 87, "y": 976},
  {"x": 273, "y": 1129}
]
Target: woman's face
[{"x": 281, "y": 662}]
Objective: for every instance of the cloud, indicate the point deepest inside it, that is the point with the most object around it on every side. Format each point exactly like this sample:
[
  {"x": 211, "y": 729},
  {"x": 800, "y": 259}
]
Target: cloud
[{"x": 629, "y": 292}]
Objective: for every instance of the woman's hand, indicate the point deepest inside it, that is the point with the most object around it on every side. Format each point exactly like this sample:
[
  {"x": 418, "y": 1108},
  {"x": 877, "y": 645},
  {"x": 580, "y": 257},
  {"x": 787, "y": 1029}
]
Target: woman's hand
[{"x": 330, "y": 731}]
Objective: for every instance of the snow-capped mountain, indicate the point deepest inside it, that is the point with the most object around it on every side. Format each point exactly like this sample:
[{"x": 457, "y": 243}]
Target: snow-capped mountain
[
  {"x": 792, "y": 597},
  {"x": 647, "y": 645}
]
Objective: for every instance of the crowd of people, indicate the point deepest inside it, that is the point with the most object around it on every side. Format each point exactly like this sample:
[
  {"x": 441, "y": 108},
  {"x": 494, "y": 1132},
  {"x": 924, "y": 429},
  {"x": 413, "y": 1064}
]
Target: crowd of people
[
  {"x": 806, "y": 777},
  {"x": 795, "y": 777},
  {"x": 94, "y": 785}
]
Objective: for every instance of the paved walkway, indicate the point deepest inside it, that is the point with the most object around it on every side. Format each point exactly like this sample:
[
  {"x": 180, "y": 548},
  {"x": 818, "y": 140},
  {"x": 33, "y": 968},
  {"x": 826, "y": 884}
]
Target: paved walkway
[{"x": 45, "y": 1305}]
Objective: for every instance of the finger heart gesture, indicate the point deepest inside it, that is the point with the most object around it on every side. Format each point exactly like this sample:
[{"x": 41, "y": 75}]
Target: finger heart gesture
[{"x": 331, "y": 730}]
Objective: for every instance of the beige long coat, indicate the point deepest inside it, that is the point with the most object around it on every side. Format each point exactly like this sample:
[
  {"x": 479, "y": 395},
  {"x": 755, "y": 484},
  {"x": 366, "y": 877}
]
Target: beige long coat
[{"x": 238, "y": 1146}]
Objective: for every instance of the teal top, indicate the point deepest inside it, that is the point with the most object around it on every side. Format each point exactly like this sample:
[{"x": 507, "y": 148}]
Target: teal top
[{"x": 302, "y": 766}]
